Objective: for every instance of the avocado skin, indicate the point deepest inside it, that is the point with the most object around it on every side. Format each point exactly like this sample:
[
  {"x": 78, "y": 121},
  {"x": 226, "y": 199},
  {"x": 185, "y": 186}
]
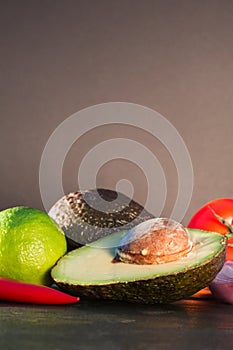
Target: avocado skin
[
  {"x": 163, "y": 289},
  {"x": 83, "y": 224}
]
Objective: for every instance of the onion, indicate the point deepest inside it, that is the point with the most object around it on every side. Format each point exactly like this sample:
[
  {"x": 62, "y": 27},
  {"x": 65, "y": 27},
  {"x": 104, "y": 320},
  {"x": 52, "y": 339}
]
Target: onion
[{"x": 222, "y": 286}]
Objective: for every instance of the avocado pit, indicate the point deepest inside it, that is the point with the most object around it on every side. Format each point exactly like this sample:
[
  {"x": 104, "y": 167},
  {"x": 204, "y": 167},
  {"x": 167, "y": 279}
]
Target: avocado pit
[{"x": 155, "y": 241}]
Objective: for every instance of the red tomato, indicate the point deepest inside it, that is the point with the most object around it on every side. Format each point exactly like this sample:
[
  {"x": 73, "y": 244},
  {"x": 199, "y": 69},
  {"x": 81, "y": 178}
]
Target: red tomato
[{"x": 216, "y": 216}]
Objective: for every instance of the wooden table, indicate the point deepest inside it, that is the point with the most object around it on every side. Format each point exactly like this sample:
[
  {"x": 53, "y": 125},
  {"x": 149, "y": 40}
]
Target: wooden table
[{"x": 197, "y": 323}]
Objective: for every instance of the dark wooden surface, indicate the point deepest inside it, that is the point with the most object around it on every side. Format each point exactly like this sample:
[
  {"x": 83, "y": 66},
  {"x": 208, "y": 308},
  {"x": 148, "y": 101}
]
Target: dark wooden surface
[{"x": 197, "y": 323}]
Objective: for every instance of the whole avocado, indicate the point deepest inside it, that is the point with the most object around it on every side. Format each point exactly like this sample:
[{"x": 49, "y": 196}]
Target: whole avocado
[{"x": 88, "y": 215}]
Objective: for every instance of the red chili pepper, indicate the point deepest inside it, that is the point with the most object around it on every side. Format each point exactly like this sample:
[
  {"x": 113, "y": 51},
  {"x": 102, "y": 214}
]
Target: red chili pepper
[{"x": 11, "y": 290}]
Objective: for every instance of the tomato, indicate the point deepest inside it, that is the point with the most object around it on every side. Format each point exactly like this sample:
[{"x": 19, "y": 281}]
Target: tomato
[{"x": 216, "y": 216}]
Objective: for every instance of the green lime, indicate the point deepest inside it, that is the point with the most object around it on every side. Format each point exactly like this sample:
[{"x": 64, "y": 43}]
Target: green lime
[{"x": 30, "y": 245}]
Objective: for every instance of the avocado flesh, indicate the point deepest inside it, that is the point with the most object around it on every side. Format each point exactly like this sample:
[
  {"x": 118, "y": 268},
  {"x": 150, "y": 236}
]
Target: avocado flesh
[{"x": 89, "y": 271}]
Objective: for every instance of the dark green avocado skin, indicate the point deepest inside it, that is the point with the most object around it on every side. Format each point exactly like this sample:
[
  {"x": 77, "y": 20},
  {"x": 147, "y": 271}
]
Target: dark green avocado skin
[
  {"x": 163, "y": 289},
  {"x": 82, "y": 223}
]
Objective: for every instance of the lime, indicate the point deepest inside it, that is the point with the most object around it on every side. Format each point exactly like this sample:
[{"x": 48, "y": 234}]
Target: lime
[{"x": 30, "y": 245}]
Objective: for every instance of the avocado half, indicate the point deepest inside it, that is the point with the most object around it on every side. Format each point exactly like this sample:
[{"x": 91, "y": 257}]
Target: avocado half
[{"x": 89, "y": 271}]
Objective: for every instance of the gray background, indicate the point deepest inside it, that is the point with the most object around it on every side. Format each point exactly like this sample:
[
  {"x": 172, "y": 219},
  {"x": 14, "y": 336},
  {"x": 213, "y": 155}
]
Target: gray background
[{"x": 58, "y": 57}]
